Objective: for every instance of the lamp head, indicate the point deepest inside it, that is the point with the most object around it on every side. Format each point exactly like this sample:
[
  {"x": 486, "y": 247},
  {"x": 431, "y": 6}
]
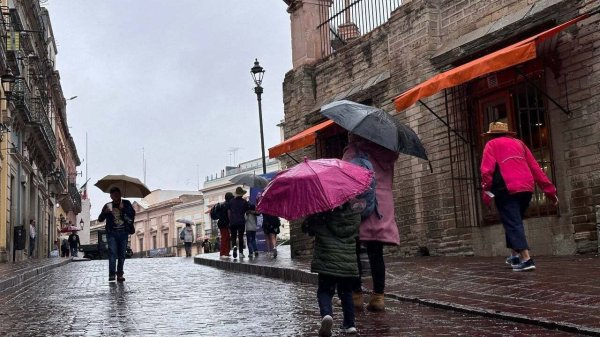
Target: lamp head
[{"x": 257, "y": 73}]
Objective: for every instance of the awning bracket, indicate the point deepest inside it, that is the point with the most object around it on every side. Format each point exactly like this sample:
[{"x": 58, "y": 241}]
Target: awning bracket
[
  {"x": 445, "y": 123},
  {"x": 294, "y": 159},
  {"x": 532, "y": 84}
]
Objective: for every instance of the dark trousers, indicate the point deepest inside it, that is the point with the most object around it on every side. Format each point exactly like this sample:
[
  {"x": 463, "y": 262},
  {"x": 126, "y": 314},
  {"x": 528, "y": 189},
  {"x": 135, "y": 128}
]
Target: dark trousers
[
  {"x": 237, "y": 235},
  {"x": 117, "y": 247},
  {"x": 251, "y": 240},
  {"x": 188, "y": 249},
  {"x": 31, "y": 246},
  {"x": 512, "y": 208},
  {"x": 327, "y": 286},
  {"x": 375, "y": 253}
]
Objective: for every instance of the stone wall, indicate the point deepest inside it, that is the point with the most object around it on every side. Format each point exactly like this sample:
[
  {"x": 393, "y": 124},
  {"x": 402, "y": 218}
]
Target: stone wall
[{"x": 421, "y": 32}]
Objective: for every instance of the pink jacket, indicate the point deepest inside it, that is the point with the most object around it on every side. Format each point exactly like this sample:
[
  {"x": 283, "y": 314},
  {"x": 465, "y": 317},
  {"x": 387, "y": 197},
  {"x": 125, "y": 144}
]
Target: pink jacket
[
  {"x": 517, "y": 165},
  {"x": 373, "y": 228}
]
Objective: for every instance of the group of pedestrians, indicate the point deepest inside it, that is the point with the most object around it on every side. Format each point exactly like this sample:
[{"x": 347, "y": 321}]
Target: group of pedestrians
[
  {"x": 509, "y": 175},
  {"x": 236, "y": 216}
]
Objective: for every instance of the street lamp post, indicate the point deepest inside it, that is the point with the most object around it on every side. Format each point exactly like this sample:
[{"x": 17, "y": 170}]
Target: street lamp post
[{"x": 257, "y": 75}]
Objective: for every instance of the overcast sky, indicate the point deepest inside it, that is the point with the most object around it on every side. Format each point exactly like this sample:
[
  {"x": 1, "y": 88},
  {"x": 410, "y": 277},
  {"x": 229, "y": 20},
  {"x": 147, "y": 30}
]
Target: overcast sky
[{"x": 172, "y": 77}]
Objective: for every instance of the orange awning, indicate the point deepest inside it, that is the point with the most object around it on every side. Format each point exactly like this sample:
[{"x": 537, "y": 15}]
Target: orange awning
[
  {"x": 301, "y": 140},
  {"x": 512, "y": 55}
]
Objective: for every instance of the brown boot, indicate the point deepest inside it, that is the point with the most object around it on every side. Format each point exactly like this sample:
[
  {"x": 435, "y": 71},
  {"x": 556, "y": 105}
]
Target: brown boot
[
  {"x": 120, "y": 277},
  {"x": 357, "y": 299},
  {"x": 376, "y": 303}
]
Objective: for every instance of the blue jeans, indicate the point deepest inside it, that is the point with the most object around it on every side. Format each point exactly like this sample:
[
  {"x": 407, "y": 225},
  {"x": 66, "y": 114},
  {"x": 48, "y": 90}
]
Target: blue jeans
[
  {"x": 117, "y": 246},
  {"x": 73, "y": 251},
  {"x": 251, "y": 240},
  {"x": 327, "y": 285},
  {"x": 512, "y": 207}
]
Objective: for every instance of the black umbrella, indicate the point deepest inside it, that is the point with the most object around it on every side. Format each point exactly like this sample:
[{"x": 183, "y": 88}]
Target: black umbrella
[
  {"x": 250, "y": 179},
  {"x": 375, "y": 125}
]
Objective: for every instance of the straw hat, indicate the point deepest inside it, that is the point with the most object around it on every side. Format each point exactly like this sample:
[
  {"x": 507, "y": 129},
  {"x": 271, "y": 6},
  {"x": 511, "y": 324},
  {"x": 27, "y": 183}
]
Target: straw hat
[{"x": 498, "y": 128}]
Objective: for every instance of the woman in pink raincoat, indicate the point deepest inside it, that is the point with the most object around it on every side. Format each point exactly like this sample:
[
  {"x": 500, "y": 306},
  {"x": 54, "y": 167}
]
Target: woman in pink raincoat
[
  {"x": 509, "y": 173},
  {"x": 379, "y": 228}
]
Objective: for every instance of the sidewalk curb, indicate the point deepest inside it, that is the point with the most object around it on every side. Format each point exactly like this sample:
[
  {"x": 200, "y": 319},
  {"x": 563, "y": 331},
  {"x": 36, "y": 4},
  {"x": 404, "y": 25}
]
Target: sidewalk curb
[
  {"x": 285, "y": 274},
  {"x": 507, "y": 316},
  {"x": 29, "y": 274},
  {"x": 304, "y": 276}
]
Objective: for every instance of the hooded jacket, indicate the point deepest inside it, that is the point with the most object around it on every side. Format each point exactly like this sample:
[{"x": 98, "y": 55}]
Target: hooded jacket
[{"x": 335, "y": 241}]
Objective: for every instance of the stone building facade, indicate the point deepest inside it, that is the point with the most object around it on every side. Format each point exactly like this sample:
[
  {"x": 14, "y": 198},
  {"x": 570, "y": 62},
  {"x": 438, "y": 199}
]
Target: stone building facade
[
  {"x": 38, "y": 158},
  {"x": 552, "y": 101}
]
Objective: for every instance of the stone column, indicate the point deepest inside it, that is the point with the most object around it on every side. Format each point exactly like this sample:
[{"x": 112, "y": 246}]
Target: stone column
[{"x": 308, "y": 43}]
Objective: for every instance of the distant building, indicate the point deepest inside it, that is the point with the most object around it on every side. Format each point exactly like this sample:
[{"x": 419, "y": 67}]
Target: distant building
[{"x": 155, "y": 219}]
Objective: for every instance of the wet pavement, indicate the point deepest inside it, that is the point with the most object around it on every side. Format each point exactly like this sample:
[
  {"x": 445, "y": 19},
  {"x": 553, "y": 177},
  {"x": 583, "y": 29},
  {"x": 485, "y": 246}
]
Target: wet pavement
[
  {"x": 175, "y": 297},
  {"x": 563, "y": 293}
]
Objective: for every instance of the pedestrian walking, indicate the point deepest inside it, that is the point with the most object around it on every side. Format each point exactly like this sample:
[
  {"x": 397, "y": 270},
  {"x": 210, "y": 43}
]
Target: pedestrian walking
[
  {"x": 220, "y": 211},
  {"x": 238, "y": 207},
  {"x": 32, "y": 236},
  {"x": 270, "y": 226},
  {"x": 187, "y": 236},
  {"x": 64, "y": 248},
  {"x": 509, "y": 172},
  {"x": 379, "y": 228},
  {"x": 206, "y": 246},
  {"x": 335, "y": 262},
  {"x": 119, "y": 216},
  {"x": 74, "y": 243},
  {"x": 251, "y": 231}
]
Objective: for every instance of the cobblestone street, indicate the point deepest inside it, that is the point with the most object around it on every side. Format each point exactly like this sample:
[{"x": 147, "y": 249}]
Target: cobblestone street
[{"x": 174, "y": 296}]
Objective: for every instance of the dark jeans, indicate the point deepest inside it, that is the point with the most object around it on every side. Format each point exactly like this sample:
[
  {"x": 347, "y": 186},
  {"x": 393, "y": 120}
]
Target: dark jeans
[
  {"x": 117, "y": 246},
  {"x": 237, "y": 234},
  {"x": 31, "y": 246},
  {"x": 188, "y": 249},
  {"x": 251, "y": 240},
  {"x": 511, "y": 208},
  {"x": 327, "y": 285},
  {"x": 375, "y": 253}
]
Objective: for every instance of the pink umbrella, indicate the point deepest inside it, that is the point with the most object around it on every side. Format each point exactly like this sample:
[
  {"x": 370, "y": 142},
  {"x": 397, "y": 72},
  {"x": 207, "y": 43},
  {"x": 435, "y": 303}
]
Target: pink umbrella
[
  {"x": 69, "y": 229},
  {"x": 313, "y": 186}
]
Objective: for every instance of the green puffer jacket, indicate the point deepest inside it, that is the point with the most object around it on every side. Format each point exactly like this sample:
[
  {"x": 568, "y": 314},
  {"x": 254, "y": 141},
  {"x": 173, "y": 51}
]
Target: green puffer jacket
[{"x": 335, "y": 241}]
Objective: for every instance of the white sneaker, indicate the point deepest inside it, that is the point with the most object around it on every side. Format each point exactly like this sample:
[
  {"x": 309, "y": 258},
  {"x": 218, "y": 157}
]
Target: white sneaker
[
  {"x": 350, "y": 330},
  {"x": 326, "y": 325}
]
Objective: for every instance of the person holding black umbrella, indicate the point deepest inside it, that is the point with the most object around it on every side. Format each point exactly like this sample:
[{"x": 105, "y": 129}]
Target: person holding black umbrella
[{"x": 379, "y": 228}]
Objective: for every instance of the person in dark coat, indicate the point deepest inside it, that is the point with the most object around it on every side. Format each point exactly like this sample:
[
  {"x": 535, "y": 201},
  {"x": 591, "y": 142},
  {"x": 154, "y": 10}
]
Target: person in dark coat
[
  {"x": 119, "y": 216},
  {"x": 238, "y": 207},
  {"x": 334, "y": 261},
  {"x": 74, "y": 243},
  {"x": 223, "y": 224}
]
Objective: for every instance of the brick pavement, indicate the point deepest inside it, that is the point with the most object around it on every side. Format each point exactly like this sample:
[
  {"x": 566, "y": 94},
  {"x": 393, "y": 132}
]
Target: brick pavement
[
  {"x": 563, "y": 293},
  {"x": 13, "y": 274},
  {"x": 175, "y": 297}
]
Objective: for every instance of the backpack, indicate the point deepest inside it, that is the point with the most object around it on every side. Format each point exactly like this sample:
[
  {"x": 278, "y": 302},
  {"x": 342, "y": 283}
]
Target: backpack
[
  {"x": 214, "y": 212},
  {"x": 368, "y": 197},
  {"x": 182, "y": 234}
]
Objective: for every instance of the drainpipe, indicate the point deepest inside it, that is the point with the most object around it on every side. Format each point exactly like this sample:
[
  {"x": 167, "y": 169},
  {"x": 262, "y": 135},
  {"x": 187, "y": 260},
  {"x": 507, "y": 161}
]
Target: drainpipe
[{"x": 598, "y": 226}]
